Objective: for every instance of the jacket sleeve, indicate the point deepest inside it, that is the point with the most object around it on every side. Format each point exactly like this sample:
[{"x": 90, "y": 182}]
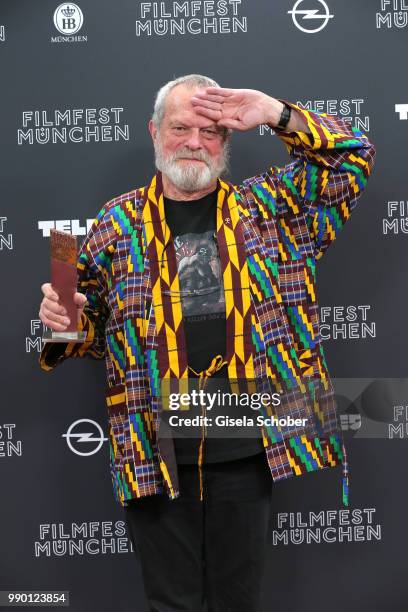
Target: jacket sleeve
[
  {"x": 93, "y": 268},
  {"x": 328, "y": 175}
]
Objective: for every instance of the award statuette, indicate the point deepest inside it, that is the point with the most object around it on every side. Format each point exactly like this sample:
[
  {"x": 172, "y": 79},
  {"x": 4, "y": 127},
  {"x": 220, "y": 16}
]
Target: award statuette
[{"x": 64, "y": 282}]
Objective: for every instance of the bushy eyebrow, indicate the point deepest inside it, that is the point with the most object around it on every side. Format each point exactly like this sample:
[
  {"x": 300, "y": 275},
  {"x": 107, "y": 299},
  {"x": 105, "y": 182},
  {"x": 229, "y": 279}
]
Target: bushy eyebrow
[
  {"x": 172, "y": 123},
  {"x": 205, "y": 127}
]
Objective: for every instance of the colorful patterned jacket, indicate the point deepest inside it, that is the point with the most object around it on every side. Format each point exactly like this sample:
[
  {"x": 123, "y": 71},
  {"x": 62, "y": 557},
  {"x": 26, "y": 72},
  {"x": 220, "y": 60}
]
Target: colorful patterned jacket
[{"x": 271, "y": 229}]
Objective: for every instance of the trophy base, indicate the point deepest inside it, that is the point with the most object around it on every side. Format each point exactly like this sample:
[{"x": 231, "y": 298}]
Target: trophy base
[{"x": 54, "y": 336}]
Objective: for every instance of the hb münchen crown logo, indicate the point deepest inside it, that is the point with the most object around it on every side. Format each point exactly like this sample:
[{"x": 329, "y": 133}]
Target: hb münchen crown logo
[
  {"x": 68, "y": 18},
  {"x": 68, "y": 11}
]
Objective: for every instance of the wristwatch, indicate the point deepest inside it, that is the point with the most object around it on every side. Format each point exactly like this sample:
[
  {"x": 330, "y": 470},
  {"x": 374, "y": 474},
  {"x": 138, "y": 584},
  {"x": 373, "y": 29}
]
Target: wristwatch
[{"x": 285, "y": 116}]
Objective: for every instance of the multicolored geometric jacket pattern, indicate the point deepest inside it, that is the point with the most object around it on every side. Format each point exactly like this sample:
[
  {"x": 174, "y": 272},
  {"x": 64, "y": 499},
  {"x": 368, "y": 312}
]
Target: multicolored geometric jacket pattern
[{"x": 271, "y": 230}]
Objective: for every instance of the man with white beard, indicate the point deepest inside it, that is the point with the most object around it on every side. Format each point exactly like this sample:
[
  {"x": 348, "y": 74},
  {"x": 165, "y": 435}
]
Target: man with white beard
[{"x": 193, "y": 281}]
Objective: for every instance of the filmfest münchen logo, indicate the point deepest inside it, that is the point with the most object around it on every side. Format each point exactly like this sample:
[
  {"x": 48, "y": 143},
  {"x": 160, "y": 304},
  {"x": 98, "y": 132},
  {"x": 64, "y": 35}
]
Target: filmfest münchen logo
[
  {"x": 351, "y": 110},
  {"x": 399, "y": 427},
  {"x": 347, "y": 322},
  {"x": 86, "y": 538},
  {"x": 190, "y": 17},
  {"x": 34, "y": 342},
  {"x": 326, "y": 527},
  {"x": 396, "y": 221},
  {"x": 308, "y": 19},
  {"x": 6, "y": 240},
  {"x": 9, "y": 446},
  {"x": 393, "y": 13},
  {"x": 76, "y": 125}
]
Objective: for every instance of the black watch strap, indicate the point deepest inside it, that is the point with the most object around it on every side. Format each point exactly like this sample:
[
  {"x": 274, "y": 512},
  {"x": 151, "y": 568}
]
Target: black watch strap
[{"x": 285, "y": 116}]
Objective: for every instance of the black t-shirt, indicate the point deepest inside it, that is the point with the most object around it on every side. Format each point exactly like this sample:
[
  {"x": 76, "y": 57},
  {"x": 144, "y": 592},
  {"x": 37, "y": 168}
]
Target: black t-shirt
[{"x": 193, "y": 228}]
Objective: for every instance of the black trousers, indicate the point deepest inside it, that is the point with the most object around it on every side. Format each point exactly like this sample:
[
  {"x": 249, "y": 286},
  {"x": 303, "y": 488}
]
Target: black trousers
[{"x": 214, "y": 550}]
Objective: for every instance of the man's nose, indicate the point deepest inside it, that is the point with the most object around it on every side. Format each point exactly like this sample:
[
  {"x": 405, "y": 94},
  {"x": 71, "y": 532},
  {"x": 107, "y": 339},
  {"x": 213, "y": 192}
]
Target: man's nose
[{"x": 194, "y": 139}]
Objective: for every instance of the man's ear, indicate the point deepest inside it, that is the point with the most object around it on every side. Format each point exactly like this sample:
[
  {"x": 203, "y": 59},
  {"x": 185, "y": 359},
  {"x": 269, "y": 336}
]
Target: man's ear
[{"x": 153, "y": 130}]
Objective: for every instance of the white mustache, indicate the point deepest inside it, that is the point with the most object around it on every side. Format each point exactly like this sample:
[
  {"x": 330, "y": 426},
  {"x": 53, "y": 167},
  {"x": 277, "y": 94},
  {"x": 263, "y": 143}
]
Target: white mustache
[{"x": 187, "y": 154}]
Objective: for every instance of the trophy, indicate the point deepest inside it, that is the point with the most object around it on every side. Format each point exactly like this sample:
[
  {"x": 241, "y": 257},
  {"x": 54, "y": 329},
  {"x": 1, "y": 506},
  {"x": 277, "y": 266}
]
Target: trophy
[{"x": 64, "y": 281}]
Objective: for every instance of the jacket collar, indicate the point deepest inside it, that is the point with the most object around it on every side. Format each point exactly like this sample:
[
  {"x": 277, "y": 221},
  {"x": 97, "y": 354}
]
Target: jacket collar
[{"x": 171, "y": 341}]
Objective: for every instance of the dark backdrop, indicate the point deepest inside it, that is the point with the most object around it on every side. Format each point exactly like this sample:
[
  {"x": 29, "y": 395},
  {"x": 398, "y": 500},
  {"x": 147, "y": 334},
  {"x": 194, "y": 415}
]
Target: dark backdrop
[{"x": 59, "y": 525}]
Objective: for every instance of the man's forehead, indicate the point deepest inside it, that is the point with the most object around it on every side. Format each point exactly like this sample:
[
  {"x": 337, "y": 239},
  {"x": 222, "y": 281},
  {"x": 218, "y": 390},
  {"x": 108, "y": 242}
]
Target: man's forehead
[
  {"x": 179, "y": 107},
  {"x": 188, "y": 118},
  {"x": 182, "y": 94}
]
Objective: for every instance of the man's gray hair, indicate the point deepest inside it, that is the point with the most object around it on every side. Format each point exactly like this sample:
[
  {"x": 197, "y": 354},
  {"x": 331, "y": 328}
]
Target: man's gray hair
[{"x": 191, "y": 80}]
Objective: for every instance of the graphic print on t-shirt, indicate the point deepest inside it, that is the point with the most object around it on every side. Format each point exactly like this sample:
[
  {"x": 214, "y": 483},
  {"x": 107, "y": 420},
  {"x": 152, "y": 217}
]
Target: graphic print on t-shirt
[{"x": 199, "y": 271}]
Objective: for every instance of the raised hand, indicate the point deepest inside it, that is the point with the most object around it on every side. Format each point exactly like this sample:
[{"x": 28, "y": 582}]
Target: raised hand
[{"x": 237, "y": 109}]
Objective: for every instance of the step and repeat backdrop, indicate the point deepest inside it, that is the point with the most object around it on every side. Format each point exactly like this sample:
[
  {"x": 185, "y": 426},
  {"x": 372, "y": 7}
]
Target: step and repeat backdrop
[{"x": 77, "y": 84}]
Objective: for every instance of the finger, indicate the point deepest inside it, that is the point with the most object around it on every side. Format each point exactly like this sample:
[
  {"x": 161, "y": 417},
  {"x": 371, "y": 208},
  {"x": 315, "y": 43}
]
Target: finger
[
  {"x": 208, "y": 112},
  {"x": 52, "y": 325},
  {"x": 205, "y": 103},
  {"x": 210, "y": 97},
  {"x": 80, "y": 299},
  {"x": 49, "y": 292},
  {"x": 220, "y": 91},
  {"x": 52, "y": 316},
  {"x": 53, "y": 306}
]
